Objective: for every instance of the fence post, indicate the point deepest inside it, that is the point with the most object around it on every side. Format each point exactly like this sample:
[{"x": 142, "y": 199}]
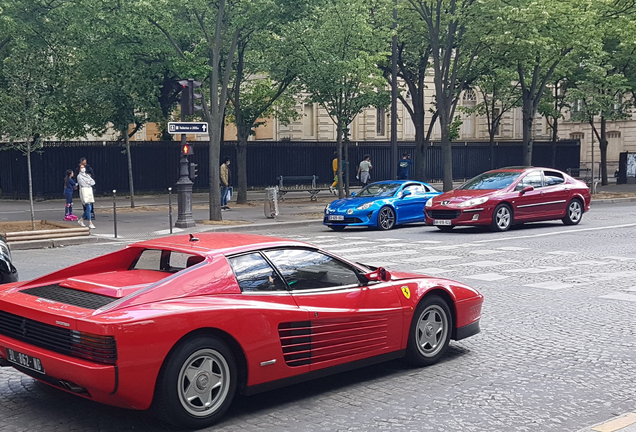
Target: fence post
[
  {"x": 170, "y": 207},
  {"x": 115, "y": 211}
]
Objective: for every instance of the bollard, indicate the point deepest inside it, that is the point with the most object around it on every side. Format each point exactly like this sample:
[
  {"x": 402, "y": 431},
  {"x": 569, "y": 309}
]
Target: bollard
[
  {"x": 115, "y": 211},
  {"x": 170, "y": 207}
]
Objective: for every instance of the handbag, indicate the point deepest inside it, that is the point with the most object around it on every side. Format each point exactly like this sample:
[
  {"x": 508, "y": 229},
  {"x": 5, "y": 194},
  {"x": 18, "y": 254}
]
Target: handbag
[{"x": 86, "y": 195}]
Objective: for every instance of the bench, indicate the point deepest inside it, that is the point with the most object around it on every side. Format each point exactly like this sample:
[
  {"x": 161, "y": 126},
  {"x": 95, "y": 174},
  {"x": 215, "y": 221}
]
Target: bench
[{"x": 298, "y": 184}]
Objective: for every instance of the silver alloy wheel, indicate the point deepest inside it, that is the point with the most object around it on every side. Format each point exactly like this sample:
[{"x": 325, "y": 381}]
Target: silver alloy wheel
[
  {"x": 204, "y": 382},
  {"x": 503, "y": 217},
  {"x": 386, "y": 218},
  {"x": 575, "y": 211},
  {"x": 432, "y": 330}
]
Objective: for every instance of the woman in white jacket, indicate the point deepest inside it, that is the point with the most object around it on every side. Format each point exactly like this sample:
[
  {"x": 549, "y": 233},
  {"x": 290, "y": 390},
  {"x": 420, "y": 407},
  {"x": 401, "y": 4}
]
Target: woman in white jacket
[{"x": 86, "y": 195}]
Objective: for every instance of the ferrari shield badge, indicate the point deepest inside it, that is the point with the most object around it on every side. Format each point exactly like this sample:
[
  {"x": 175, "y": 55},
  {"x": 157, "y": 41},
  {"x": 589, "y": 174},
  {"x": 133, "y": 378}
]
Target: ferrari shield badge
[{"x": 406, "y": 292}]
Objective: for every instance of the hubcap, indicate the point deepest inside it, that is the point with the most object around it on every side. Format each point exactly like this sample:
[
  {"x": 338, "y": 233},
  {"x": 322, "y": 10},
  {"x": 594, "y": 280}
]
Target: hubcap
[
  {"x": 204, "y": 382},
  {"x": 432, "y": 330},
  {"x": 575, "y": 211},
  {"x": 503, "y": 217},
  {"x": 386, "y": 218}
]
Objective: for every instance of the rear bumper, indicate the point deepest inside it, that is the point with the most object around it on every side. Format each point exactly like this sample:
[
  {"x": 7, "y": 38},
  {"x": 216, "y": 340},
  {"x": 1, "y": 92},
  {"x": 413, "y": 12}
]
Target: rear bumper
[{"x": 100, "y": 381}]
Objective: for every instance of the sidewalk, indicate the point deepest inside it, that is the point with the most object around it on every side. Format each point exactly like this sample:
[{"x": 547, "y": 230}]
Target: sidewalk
[{"x": 150, "y": 218}]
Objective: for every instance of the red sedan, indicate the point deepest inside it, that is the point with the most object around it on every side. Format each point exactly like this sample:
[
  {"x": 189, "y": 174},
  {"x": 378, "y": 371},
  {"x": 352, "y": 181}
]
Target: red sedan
[
  {"x": 180, "y": 324},
  {"x": 500, "y": 198}
]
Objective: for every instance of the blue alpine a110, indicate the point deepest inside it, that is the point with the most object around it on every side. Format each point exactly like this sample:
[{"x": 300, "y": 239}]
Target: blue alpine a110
[{"x": 381, "y": 205}]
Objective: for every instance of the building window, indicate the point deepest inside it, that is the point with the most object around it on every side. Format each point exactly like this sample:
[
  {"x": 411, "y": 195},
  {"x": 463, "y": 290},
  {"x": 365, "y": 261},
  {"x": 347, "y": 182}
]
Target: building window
[
  {"x": 613, "y": 134},
  {"x": 577, "y": 135},
  {"x": 309, "y": 124},
  {"x": 381, "y": 122},
  {"x": 469, "y": 100}
]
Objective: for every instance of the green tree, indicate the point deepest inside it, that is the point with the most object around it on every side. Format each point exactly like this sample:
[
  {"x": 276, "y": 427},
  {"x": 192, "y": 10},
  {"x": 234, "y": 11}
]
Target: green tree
[
  {"x": 339, "y": 53},
  {"x": 454, "y": 29}
]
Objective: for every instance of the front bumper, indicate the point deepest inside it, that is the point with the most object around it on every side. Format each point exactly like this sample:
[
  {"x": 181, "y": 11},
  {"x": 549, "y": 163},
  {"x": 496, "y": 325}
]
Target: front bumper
[
  {"x": 357, "y": 218},
  {"x": 459, "y": 217}
]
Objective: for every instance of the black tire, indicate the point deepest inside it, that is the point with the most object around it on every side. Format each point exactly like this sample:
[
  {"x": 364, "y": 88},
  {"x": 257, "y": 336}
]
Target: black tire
[
  {"x": 430, "y": 332},
  {"x": 573, "y": 212},
  {"x": 501, "y": 218},
  {"x": 337, "y": 227},
  {"x": 445, "y": 228},
  {"x": 181, "y": 401},
  {"x": 386, "y": 218}
]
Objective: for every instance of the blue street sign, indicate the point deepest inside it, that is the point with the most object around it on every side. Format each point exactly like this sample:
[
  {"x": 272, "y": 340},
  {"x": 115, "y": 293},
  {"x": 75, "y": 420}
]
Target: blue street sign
[{"x": 187, "y": 128}]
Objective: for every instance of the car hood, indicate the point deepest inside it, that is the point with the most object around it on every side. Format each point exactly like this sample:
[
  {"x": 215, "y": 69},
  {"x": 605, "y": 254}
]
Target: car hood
[
  {"x": 353, "y": 202},
  {"x": 461, "y": 195}
]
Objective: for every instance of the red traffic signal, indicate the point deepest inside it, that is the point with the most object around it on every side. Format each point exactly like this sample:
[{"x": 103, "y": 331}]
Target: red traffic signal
[{"x": 187, "y": 149}]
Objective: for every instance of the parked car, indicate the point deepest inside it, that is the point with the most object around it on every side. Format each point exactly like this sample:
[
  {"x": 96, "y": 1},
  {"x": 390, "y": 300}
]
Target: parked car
[
  {"x": 381, "y": 205},
  {"x": 8, "y": 272},
  {"x": 500, "y": 198},
  {"x": 181, "y": 324}
]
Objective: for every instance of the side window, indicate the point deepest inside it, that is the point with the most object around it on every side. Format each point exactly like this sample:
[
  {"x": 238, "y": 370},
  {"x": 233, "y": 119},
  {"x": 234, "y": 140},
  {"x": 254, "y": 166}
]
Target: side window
[
  {"x": 305, "y": 269},
  {"x": 553, "y": 178},
  {"x": 415, "y": 189},
  {"x": 254, "y": 273},
  {"x": 149, "y": 259},
  {"x": 533, "y": 179}
]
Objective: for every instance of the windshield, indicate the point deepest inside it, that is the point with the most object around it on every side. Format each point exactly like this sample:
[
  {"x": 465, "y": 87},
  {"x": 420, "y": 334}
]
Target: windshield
[
  {"x": 379, "y": 190},
  {"x": 491, "y": 180}
]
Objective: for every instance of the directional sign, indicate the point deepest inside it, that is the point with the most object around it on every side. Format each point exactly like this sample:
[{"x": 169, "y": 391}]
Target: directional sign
[{"x": 187, "y": 127}]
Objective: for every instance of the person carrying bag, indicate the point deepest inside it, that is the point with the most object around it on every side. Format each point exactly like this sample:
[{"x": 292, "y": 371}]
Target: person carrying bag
[{"x": 86, "y": 196}]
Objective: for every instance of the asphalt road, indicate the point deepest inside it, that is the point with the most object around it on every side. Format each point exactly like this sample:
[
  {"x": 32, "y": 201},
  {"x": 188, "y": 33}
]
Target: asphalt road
[{"x": 557, "y": 350}]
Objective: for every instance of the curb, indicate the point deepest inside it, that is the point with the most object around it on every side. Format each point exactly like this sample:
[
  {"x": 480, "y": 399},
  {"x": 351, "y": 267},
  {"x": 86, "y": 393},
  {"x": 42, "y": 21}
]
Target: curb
[
  {"x": 52, "y": 243},
  {"x": 264, "y": 226},
  {"x": 613, "y": 201}
]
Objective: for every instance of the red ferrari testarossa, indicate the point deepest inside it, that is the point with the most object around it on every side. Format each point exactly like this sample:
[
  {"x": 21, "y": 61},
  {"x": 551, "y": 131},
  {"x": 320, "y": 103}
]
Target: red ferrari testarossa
[{"x": 180, "y": 324}]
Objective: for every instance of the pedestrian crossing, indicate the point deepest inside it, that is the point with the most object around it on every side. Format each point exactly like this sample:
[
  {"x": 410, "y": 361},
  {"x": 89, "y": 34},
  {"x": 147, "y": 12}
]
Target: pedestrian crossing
[{"x": 509, "y": 266}]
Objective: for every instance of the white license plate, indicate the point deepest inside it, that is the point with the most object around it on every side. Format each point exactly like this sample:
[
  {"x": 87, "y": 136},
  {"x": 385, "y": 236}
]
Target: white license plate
[
  {"x": 441, "y": 222},
  {"x": 336, "y": 218},
  {"x": 24, "y": 360}
]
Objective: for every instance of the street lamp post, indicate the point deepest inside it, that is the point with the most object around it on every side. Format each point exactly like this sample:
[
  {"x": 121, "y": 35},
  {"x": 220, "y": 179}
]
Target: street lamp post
[{"x": 394, "y": 90}]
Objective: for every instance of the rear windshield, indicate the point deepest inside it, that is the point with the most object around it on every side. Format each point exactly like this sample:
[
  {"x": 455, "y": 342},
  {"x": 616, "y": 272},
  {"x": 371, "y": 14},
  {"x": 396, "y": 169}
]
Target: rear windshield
[
  {"x": 491, "y": 180},
  {"x": 379, "y": 190}
]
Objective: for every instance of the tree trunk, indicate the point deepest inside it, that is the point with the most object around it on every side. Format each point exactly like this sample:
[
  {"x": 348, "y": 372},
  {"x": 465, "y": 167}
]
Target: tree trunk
[
  {"x": 420, "y": 147},
  {"x": 28, "y": 155},
  {"x": 447, "y": 153},
  {"x": 528, "y": 120},
  {"x": 340, "y": 167},
  {"x": 491, "y": 134},
  {"x": 603, "y": 147},
  {"x": 555, "y": 123},
  {"x": 241, "y": 166},
  {"x": 130, "y": 170},
  {"x": 215, "y": 150},
  {"x": 346, "y": 165}
]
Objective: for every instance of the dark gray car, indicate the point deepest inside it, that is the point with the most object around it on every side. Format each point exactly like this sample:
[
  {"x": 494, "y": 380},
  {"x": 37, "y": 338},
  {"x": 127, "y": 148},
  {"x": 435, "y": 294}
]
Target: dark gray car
[{"x": 8, "y": 272}]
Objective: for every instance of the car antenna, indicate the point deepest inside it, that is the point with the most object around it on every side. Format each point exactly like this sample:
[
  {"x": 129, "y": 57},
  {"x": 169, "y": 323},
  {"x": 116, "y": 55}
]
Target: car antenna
[{"x": 193, "y": 238}]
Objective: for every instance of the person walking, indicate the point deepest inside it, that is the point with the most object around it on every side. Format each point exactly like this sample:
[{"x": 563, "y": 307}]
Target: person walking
[
  {"x": 363, "y": 170},
  {"x": 86, "y": 183},
  {"x": 89, "y": 170},
  {"x": 226, "y": 189},
  {"x": 334, "y": 164},
  {"x": 69, "y": 186},
  {"x": 404, "y": 167}
]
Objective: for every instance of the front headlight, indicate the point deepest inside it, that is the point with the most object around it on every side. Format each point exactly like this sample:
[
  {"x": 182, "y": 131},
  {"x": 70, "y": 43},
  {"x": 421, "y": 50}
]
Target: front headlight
[
  {"x": 429, "y": 203},
  {"x": 328, "y": 208},
  {"x": 364, "y": 206},
  {"x": 472, "y": 202}
]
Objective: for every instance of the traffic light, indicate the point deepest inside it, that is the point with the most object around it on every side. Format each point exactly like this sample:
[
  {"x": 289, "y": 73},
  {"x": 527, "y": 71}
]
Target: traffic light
[
  {"x": 186, "y": 97},
  {"x": 187, "y": 149},
  {"x": 193, "y": 171},
  {"x": 190, "y": 101}
]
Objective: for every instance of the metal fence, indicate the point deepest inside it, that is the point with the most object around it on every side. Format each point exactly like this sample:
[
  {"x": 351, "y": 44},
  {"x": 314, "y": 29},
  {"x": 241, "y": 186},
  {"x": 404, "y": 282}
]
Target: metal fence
[{"x": 156, "y": 164}]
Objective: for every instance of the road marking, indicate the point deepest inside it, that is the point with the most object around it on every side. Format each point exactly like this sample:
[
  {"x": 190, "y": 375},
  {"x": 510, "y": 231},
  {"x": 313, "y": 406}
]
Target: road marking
[
  {"x": 617, "y": 423},
  {"x": 536, "y": 270},
  {"x": 485, "y": 263},
  {"x": 431, "y": 258},
  {"x": 549, "y": 285},
  {"x": 486, "y": 252},
  {"x": 590, "y": 263},
  {"x": 488, "y": 277},
  {"x": 561, "y": 253},
  {"x": 622, "y": 259},
  {"x": 574, "y": 231},
  {"x": 386, "y": 253},
  {"x": 617, "y": 295},
  {"x": 431, "y": 271},
  {"x": 512, "y": 248},
  {"x": 343, "y": 251}
]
